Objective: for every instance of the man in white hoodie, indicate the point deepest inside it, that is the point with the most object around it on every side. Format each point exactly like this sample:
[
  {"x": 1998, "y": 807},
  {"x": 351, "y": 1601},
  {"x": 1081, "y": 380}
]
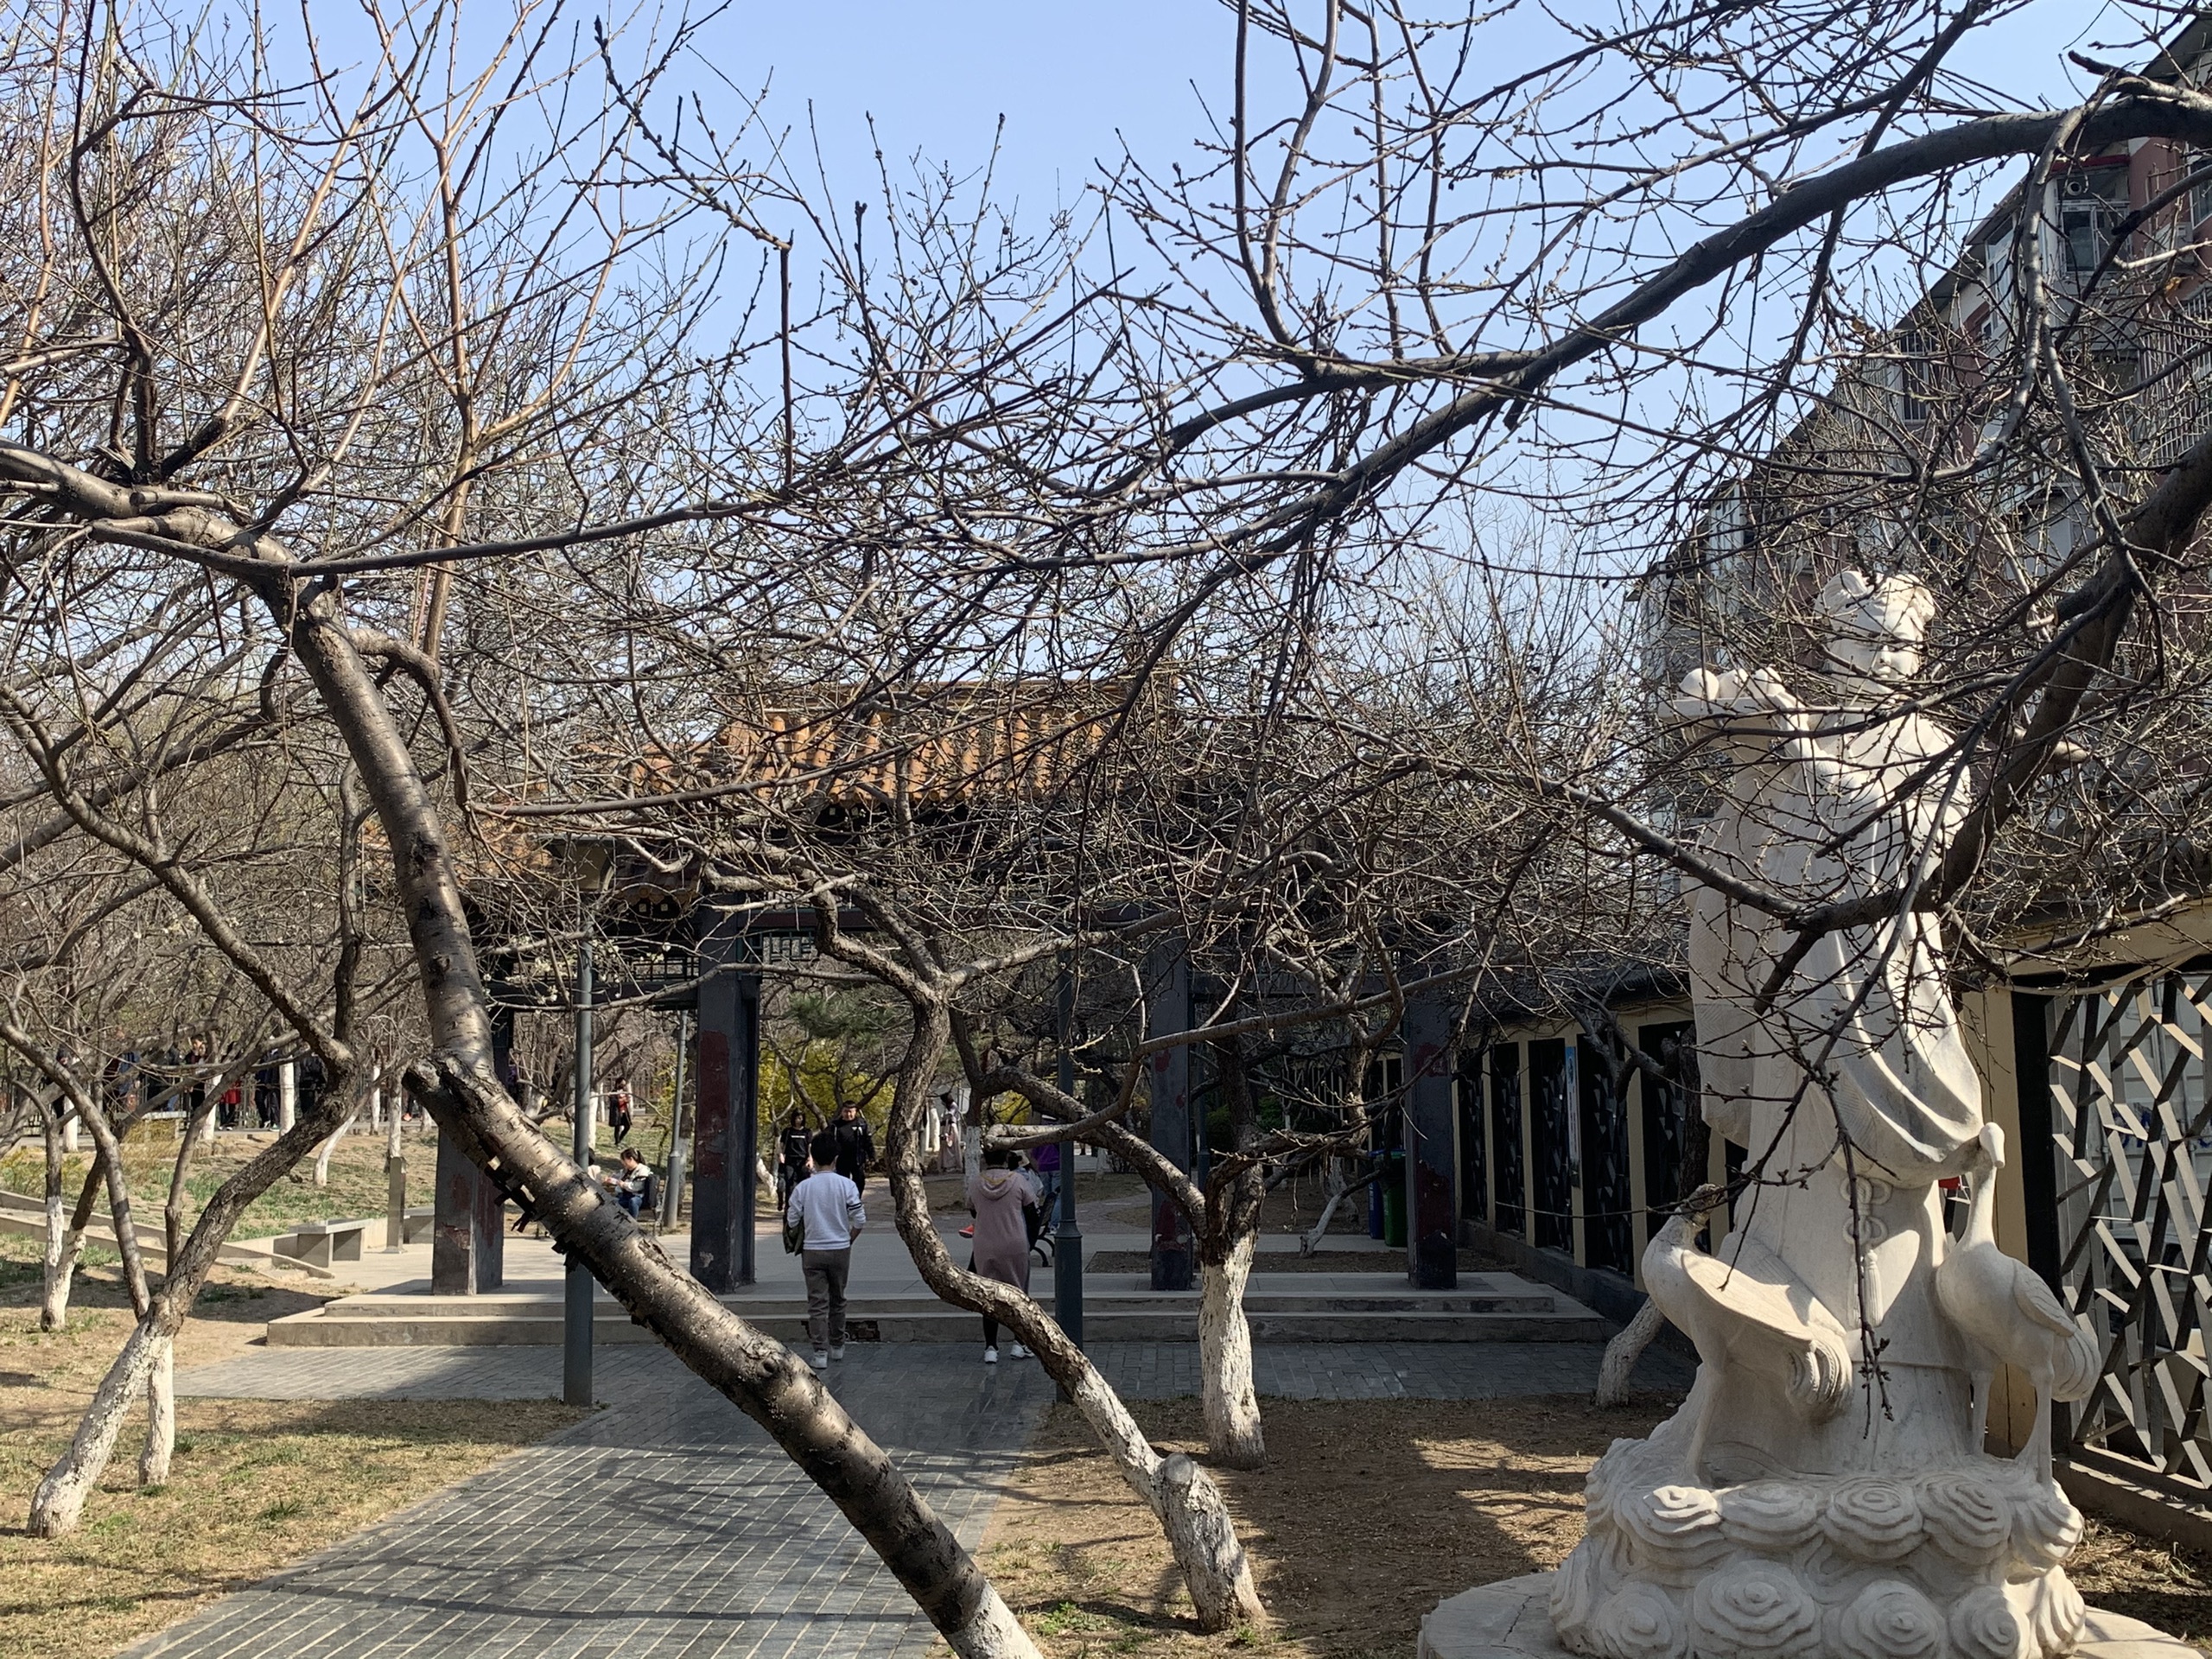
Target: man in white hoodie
[{"x": 829, "y": 1205}]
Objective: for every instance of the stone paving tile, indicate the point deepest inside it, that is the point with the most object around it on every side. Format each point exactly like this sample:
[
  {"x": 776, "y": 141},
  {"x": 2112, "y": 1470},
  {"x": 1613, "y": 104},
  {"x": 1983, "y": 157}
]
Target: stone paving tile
[
  {"x": 1140, "y": 1371},
  {"x": 668, "y": 1525}
]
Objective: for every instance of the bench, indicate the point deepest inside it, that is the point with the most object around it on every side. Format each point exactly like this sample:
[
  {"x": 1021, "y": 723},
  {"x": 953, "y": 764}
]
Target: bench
[
  {"x": 321, "y": 1242},
  {"x": 415, "y": 1223}
]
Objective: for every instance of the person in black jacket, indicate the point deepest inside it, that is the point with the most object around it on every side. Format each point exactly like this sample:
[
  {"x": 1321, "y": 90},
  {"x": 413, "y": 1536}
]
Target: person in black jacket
[
  {"x": 794, "y": 1146},
  {"x": 855, "y": 1145}
]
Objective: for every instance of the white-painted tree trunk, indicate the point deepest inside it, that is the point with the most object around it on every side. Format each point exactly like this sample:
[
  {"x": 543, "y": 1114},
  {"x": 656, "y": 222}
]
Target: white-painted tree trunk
[
  {"x": 60, "y": 1500},
  {"x": 323, "y": 1153},
  {"x": 993, "y": 1632},
  {"x": 60, "y": 1255},
  {"x": 63, "y": 1242},
  {"x": 71, "y": 1137},
  {"x": 1231, "y": 1403},
  {"x": 161, "y": 1415},
  {"x": 1624, "y": 1350},
  {"x": 1191, "y": 1507},
  {"x": 287, "y": 1095}
]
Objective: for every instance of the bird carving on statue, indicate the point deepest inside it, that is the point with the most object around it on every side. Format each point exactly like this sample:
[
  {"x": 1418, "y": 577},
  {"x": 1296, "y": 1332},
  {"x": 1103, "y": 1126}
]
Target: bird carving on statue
[
  {"x": 1744, "y": 1309},
  {"x": 2009, "y": 1316}
]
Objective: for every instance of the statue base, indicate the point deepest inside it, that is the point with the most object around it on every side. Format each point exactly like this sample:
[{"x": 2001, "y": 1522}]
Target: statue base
[{"x": 1513, "y": 1620}]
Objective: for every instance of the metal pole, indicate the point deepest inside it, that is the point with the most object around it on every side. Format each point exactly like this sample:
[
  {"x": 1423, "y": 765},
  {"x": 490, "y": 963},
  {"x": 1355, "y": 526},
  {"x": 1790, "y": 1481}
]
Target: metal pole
[
  {"x": 1067, "y": 1236},
  {"x": 672, "y": 1198},
  {"x": 575, "y": 1326}
]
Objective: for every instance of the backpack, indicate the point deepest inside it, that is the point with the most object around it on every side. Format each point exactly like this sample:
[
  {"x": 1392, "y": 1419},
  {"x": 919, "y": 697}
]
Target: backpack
[{"x": 651, "y": 1197}]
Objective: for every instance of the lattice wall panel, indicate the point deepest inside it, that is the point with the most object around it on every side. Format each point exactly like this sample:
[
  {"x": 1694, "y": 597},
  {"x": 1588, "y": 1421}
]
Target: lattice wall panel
[{"x": 2129, "y": 1124}]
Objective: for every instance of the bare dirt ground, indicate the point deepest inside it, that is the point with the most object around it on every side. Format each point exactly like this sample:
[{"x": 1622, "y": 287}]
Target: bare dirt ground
[
  {"x": 1368, "y": 1515},
  {"x": 254, "y": 1484}
]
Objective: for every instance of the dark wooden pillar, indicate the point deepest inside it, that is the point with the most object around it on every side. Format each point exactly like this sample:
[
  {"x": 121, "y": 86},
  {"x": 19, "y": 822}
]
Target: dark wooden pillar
[
  {"x": 1432, "y": 1219},
  {"x": 726, "y": 1123},
  {"x": 1167, "y": 1008},
  {"x": 469, "y": 1234}
]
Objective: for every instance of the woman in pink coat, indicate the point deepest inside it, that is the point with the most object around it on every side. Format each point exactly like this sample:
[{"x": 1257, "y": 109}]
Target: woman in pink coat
[{"x": 997, "y": 1196}]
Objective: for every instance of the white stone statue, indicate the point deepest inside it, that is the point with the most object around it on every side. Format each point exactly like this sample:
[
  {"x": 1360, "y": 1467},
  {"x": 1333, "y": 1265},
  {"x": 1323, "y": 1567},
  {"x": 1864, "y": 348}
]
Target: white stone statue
[{"x": 1823, "y": 1489}]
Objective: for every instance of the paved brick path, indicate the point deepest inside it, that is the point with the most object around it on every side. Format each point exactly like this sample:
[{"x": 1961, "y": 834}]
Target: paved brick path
[
  {"x": 667, "y": 1525},
  {"x": 1140, "y": 1370}
]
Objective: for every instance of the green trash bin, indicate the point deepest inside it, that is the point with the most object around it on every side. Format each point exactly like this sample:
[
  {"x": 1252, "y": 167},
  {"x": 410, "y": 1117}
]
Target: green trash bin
[{"x": 1394, "y": 1200}]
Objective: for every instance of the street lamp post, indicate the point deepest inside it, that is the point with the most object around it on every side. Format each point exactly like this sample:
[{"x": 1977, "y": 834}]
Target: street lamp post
[
  {"x": 1067, "y": 1236},
  {"x": 576, "y": 1347}
]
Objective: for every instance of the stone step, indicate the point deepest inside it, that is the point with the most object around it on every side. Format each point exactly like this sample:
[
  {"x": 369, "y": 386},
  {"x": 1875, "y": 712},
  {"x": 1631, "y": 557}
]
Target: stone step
[
  {"x": 26, "y": 1218},
  {"x": 936, "y": 1323}
]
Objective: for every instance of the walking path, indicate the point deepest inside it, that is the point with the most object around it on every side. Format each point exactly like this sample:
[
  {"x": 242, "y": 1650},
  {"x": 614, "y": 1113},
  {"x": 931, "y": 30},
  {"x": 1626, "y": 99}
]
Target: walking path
[
  {"x": 1138, "y": 1370},
  {"x": 669, "y": 1526}
]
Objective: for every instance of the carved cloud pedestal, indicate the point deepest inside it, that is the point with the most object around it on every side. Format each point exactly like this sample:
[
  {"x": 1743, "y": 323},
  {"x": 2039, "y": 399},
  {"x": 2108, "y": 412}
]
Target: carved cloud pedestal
[{"x": 1512, "y": 1620}]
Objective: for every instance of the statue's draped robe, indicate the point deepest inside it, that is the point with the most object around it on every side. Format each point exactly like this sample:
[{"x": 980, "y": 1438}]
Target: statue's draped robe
[{"x": 1855, "y": 1070}]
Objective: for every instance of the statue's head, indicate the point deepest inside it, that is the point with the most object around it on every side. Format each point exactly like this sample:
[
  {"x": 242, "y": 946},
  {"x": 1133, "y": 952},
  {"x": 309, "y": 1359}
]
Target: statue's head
[{"x": 1875, "y": 626}]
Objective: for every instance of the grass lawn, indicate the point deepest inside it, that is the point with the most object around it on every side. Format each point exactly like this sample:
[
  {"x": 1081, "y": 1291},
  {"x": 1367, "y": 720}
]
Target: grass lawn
[
  {"x": 254, "y": 1487},
  {"x": 357, "y": 1188},
  {"x": 1368, "y": 1514}
]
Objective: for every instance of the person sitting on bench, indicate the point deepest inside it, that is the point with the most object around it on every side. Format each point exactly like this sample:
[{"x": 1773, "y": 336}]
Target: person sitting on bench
[{"x": 633, "y": 1183}]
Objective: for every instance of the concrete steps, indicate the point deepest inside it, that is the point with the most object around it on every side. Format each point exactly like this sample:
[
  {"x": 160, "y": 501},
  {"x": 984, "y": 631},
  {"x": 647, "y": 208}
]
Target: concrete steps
[
  {"x": 1496, "y": 1308},
  {"x": 26, "y": 1218}
]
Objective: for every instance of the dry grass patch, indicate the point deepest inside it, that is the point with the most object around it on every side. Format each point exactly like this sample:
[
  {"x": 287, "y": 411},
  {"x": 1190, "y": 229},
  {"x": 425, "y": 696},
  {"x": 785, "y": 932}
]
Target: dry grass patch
[
  {"x": 2161, "y": 1584},
  {"x": 254, "y": 1484},
  {"x": 359, "y": 1187}
]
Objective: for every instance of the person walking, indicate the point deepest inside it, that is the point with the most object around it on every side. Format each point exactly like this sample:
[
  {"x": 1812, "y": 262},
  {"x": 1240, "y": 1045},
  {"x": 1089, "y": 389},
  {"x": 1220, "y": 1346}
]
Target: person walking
[
  {"x": 828, "y": 1205},
  {"x": 1001, "y": 1197},
  {"x": 793, "y": 1147},
  {"x": 855, "y": 1145},
  {"x": 618, "y": 1111}
]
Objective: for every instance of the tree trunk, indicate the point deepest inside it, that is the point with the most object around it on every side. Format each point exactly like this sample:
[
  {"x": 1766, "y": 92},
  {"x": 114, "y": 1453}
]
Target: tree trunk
[
  {"x": 73, "y": 1244},
  {"x": 1339, "y": 1188},
  {"x": 173, "y": 1212},
  {"x": 1624, "y": 1350},
  {"x": 1190, "y": 1506},
  {"x": 62, "y": 1239},
  {"x": 1232, "y": 1408},
  {"x": 759, "y": 1376},
  {"x": 149, "y": 1355},
  {"x": 59, "y": 1503},
  {"x": 161, "y": 1415},
  {"x": 323, "y": 1153}
]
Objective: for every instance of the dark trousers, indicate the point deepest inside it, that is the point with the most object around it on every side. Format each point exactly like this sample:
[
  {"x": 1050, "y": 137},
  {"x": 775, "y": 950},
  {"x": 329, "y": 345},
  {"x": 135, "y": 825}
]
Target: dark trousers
[{"x": 825, "y": 1295}]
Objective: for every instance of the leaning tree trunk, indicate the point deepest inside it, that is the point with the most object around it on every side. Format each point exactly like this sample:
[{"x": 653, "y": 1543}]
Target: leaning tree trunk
[
  {"x": 1232, "y": 1405},
  {"x": 459, "y": 1088},
  {"x": 59, "y": 1502},
  {"x": 1189, "y": 1505}
]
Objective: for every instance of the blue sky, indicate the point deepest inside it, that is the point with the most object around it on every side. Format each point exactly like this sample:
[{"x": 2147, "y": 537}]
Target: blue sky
[{"x": 1071, "y": 76}]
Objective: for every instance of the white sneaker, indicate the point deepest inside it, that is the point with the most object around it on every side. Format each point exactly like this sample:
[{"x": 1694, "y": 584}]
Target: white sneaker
[
  {"x": 1021, "y": 1352},
  {"x": 990, "y": 1355},
  {"x": 838, "y": 1352},
  {"x": 819, "y": 1360}
]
